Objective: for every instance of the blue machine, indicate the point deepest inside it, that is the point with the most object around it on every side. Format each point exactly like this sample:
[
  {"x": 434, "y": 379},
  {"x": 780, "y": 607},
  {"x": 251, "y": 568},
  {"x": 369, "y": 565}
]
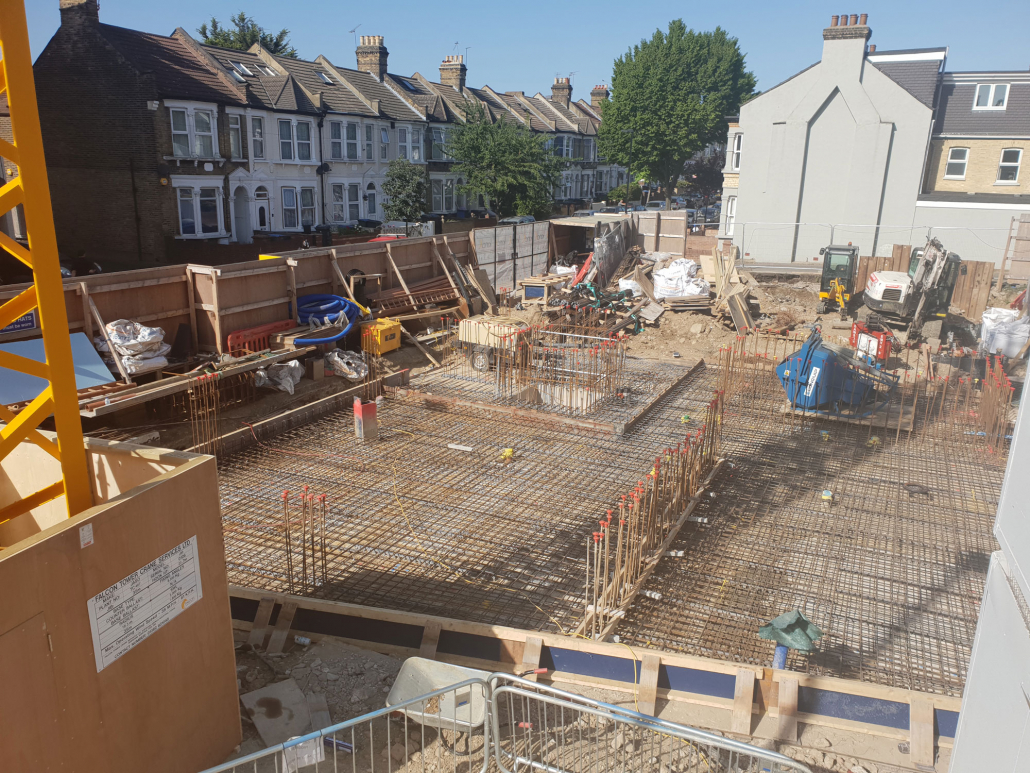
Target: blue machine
[{"x": 824, "y": 378}]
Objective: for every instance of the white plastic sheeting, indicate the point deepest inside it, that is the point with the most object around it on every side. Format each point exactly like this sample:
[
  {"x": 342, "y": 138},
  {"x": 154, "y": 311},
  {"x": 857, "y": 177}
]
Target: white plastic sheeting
[{"x": 678, "y": 280}]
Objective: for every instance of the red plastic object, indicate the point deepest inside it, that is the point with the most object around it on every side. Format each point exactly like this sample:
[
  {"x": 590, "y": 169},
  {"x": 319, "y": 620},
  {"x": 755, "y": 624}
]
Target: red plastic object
[{"x": 256, "y": 339}]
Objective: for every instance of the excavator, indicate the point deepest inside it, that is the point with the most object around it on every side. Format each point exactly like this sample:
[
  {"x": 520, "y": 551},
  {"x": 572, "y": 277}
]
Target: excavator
[
  {"x": 920, "y": 297},
  {"x": 837, "y": 285}
]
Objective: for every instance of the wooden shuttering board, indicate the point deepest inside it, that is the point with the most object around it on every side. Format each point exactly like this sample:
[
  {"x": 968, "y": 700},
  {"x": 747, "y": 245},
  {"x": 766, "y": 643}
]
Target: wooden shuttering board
[{"x": 973, "y": 289}]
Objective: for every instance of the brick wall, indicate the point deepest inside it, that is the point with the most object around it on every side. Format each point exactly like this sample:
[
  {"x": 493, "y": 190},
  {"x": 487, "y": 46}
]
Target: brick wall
[
  {"x": 94, "y": 118},
  {"x": 981, "y": 167}
]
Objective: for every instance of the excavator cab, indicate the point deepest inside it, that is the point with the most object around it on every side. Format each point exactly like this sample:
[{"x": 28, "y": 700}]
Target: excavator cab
[{"x": 837, "y": 286}]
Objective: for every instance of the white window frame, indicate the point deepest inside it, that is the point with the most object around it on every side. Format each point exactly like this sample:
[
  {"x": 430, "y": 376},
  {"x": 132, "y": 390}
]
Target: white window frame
[
  {"x": 354, "y": 200},
  {"x": 731, "y": 214},
  {"x": 304, "y": 145},
  {"x": 287, "y": 143},
  {"x": 325, "y": 78},
  {"x": 337, "y": 144},
  {"x": 264, "y": 69},
  {"x": 257, "y": 143},
  {"x": 384, "y": 143},
  {"x": 294, "y": 208},
  {"x": 990, "y": 96},
  {"x": 949, "y": 161},
  {"x": 436, "y": 194},
  {"x": 369, "y": 143},
  {"x": 402, "y": 142},
  {"x": 346, "y": 201},
  {"x": 196, "y": 184},
  {"x": 311, "y": 208},
  {"x": 416, "y": 144},
  {"x": 1003, "y": 163},
  {"x": 235, "y": 132},
  {"x": 190, "y": 109},
  {"x": 738, "y": 144},
  {"x": 352, "y": 147},
  {"x": 240, "y": 67}
]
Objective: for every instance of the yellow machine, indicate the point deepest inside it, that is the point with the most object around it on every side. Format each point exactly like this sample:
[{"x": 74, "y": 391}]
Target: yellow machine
[
  {"x": 837, "y": 285},
  {"x": 380, "y": 336}
]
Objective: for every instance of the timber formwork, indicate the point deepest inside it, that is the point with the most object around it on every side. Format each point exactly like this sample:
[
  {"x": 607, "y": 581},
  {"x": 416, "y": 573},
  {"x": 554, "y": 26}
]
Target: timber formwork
[{"x": 893, "y": 575}]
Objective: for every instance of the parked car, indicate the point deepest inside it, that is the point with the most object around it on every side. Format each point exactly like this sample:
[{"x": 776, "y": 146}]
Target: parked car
[
  {"x": 655, "y": 206},
  {"x": 612, "y": 210},
  {"x": 516, "y": 220},
  {"x": 638, "y": 208}
]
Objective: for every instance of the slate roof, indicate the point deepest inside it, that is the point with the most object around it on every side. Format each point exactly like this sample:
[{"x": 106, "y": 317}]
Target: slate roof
[
  {"x": 955, "y": 113},
  {"x": 918, "y": 78},
  {"x": 177, "y": 71}
]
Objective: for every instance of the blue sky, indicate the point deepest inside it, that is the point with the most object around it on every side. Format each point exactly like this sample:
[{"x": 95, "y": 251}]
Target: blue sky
[{"x": 524, "y": 45}]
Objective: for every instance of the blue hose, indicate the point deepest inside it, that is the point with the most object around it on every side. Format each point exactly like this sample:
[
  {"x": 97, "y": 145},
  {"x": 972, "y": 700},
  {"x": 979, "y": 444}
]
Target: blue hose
[{"x": 327, "y": 309}]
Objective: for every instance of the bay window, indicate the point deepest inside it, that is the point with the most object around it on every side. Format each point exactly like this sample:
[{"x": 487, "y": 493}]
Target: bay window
[
  {"x": 738, "y": 141},
  {"x": 235, "y": 137},
  {"x": 200, "y": 210},
  {"x": 347, "y": 202},
  {"x": 436, "y": 187},
  {"x": 448, "y": 195},
  {"x": 289, "y": 207},
  {"x": 257, "y": 135}
]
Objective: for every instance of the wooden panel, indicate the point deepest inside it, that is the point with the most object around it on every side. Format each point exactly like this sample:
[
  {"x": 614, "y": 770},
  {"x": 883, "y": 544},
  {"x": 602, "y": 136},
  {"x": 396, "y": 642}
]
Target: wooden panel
[
  {"x": 921, "y": 723},
  {"x": 649, "y": 684},
  {"x": 29, "y": 706},
  {"x": 973, "y": 288},
  {"x": 787, "y": 727},
  {"x": 139, "y": 713},
  {"x": 531, "y": 655},
  {"x": 743, "y": 701},
  {"x": 430, "y": 638},
  {"x": 282, "y": 627},
  {"x": 260, "y": 629}
]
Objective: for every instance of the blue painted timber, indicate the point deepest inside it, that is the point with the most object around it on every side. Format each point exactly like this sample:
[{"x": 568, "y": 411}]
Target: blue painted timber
[
  {"x": 947, "y": 722},
  {"x": 857, "y": 708}
]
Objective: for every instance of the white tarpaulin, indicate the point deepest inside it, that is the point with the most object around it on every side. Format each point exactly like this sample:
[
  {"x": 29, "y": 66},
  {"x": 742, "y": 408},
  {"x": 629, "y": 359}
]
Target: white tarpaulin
[{"x": 1003, "y": 332}]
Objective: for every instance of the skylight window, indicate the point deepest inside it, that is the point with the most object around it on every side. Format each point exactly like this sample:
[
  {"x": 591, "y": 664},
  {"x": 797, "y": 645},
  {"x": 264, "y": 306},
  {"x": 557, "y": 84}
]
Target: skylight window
[
  {"x": 240, "y": 67},
  {"x": 408, "y": 85},
  {"x": 325, "y": 78},
  {"x": 237, "y": 77},
  {"x": 266, "y": 71}
]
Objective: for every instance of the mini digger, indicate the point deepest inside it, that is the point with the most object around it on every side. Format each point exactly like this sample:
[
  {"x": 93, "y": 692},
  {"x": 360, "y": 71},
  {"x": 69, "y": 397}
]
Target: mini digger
[{"x": 837, "y": 285}]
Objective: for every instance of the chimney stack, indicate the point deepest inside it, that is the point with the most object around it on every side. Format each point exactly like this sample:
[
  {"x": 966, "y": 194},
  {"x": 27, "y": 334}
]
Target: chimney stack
[
  {"x": 372, "y": 55},
  {"x": 79, "y": 11},
  {"x": 849, "y": 27},
  {"x": 453, "y": 71},
  {"x": 598, "y": 94},
  {"x": 561, "y": 91}
]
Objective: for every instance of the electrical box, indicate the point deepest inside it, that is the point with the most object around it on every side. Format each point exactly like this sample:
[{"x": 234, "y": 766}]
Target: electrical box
[{"x": 380, "y": 336}]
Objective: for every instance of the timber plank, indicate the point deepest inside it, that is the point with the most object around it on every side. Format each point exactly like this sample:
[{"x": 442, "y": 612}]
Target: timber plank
[
  {"x": 260, "y": 629},
  {"x": 282, "y": 626},
  {"x": 743, "y": 700}
]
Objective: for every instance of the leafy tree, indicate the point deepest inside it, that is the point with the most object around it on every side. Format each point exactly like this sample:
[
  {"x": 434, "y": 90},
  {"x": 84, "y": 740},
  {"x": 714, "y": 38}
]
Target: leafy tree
[
  {"x": 505, "y": 161},
  {"x": 244, "y": 32},
  {"x": 405, "y": 190},
  {"x": 702, "y": 176},
  {"x": 628, "y": 192},
  {"x": 670, "y": 97}
]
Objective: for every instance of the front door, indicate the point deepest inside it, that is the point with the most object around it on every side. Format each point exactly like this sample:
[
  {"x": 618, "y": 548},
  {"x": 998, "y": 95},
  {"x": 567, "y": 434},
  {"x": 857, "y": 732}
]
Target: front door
[{"x": 260, "y": 216}]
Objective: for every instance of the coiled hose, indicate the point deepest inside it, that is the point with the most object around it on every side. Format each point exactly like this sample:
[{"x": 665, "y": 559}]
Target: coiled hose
[{"x": 327, "y": 309}]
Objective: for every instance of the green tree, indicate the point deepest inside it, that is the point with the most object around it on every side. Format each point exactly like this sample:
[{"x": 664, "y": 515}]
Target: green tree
[
  {"x": 702, "y": 176},
  {"x": 243, "y": 32},
  {"x": 628, "y": 192},
  {"x": 670, "y": 98},
  {"x": 405, "y": 190},
  {"x": 505, "y": 161}
]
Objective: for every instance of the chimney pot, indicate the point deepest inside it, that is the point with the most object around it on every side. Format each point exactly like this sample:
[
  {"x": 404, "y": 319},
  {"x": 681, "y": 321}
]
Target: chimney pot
[
  {"x": 372, "y": 55},
  {"x": 854, "y": 20},
  {"x": 872, "y": 49},
  {"x": 834, "y": 20},
  {"x": 844, "y": 20},
  {"x": 863, "y": 19}
]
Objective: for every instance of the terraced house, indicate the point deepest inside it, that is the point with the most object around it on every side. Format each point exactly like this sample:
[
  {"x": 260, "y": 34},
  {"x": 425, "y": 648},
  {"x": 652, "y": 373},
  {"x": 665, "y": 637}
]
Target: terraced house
[
  {"x": 876, "y": 148},
  {"x": 154, "y": 142}
]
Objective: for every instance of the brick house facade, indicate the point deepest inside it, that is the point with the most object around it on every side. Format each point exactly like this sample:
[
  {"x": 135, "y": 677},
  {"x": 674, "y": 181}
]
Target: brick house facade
[{"x": 157, "y": 145}]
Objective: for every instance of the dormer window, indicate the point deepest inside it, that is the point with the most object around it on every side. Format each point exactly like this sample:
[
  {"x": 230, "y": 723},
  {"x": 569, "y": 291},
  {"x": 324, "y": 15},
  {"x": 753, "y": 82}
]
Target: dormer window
[
  {"x": 324, "y": 78},
  {"x": 991, "y": 96},
  {"x": 241, "y": 68}
]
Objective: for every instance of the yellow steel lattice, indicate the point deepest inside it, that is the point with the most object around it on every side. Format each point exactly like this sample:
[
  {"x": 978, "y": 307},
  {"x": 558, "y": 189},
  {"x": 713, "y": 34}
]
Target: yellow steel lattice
[{"x": 31, "y": 190}]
